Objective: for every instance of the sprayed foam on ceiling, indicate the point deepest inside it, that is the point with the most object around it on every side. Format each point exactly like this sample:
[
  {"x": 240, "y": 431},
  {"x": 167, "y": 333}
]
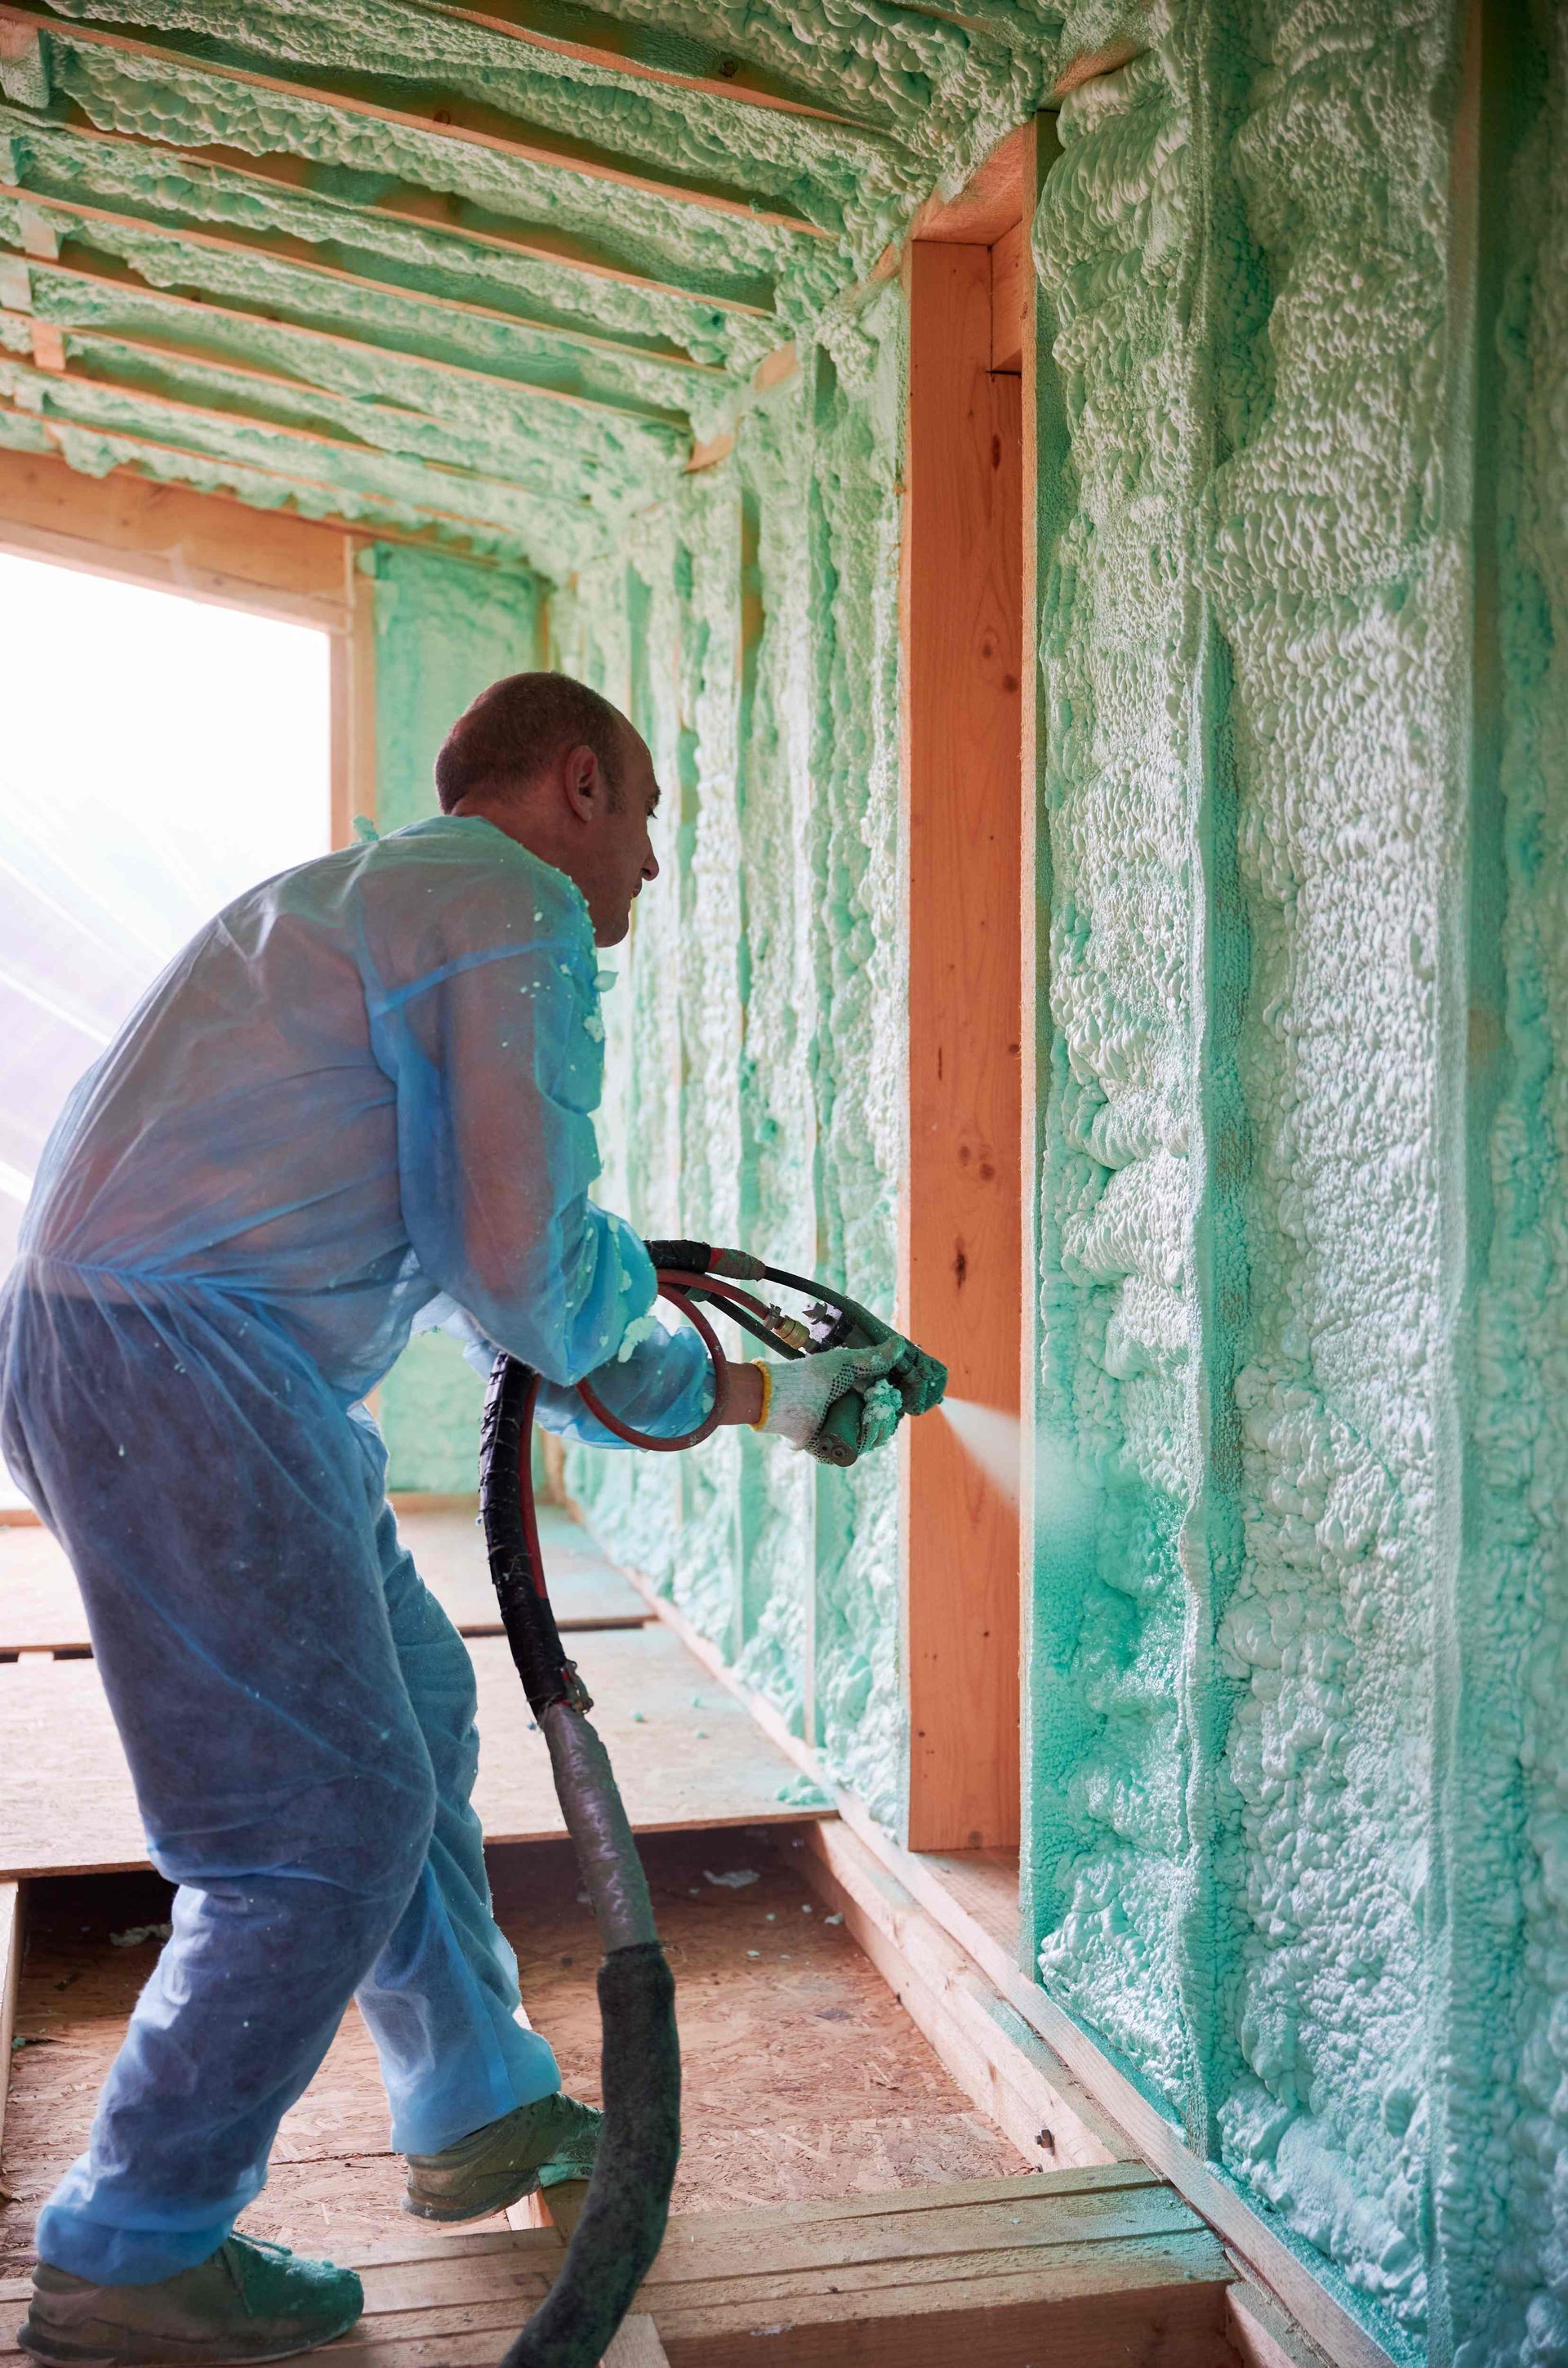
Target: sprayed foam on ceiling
[{"x": 486, "y": 283}]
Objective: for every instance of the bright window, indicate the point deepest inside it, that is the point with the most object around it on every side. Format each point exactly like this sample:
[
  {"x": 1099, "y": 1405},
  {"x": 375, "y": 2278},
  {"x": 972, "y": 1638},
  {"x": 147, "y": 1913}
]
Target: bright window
[{"x": 158, "y": 756}]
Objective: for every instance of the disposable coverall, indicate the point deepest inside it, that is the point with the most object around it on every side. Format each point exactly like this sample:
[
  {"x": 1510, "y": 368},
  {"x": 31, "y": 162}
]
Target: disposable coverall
[{"x": 361, "y": 1093}]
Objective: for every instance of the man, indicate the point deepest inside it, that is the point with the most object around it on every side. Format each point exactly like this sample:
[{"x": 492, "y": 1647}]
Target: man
[{"x": 360, "y": 1097}]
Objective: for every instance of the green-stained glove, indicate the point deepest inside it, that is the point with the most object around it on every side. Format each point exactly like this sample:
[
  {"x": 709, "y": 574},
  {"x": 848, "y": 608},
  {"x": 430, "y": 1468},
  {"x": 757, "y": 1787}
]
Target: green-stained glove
[
  {"x": 921, "y": 1381},
  {"x": 799, "y": 1395}
]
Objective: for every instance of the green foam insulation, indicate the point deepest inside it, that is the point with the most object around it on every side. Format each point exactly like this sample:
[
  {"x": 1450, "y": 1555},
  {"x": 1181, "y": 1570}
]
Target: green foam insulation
[
  {"x": 1294, "y": 1844},
  {"x": 1296, "y": 1814},
  {"x": 754, "y": 1046},
  {"x": 444, "y": 630}
]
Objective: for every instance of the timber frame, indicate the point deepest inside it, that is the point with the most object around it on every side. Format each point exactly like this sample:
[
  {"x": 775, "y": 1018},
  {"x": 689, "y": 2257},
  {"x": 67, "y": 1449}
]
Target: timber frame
[{"x": 209, "y": 548}]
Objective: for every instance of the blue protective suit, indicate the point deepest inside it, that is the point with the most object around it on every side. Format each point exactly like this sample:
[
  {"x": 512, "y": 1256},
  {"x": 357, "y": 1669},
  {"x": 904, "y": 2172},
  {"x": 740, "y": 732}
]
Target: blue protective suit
[{"x": 360, "y": 1095}]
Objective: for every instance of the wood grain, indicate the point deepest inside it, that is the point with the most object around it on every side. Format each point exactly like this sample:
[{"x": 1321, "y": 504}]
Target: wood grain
[
  {"x": 1082, "y": 2271},
  {"x": 684, "y": 1755},
  {"x": 960, "y": 1229},
  {"x": 636, "y": 2345},
  {"x": 40, "y": 1604},
  {"x": 1022, "y": 2085},
  {"x": 204, "y": 544},
  {"x": 1009, "y": 261},
  {"x": 13, "y": 1903},
  {"x": 803, "y": 2079}
]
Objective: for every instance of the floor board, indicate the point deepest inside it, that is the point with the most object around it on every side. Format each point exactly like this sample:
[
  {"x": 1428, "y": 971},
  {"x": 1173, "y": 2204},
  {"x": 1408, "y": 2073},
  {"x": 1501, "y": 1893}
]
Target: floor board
[
  {"x": 1074, "y": 2270},
  {"x": 684, "y": 1751},
  {"x": 803, "y": 2079},
  {"x": 40, "y": 1604}
]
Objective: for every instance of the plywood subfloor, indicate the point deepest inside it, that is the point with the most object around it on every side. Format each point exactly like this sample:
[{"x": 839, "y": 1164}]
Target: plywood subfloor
[
  {"x": 684, "y": 1751},
  {"x": 803, "y": 2077},
  {"x": 41, "y": 1605}
]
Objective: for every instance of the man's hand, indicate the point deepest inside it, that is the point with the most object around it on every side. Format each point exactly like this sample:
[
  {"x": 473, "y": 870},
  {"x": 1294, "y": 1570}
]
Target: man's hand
[{"x": 802, "y": 1393}]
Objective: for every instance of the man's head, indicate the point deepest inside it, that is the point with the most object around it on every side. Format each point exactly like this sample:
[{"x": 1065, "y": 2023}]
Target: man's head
[{"x": 562, "y": 771}]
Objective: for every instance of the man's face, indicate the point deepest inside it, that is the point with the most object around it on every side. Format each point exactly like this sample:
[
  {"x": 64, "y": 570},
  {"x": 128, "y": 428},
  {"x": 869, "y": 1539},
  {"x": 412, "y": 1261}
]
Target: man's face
[{"x": 623, "y": 855}]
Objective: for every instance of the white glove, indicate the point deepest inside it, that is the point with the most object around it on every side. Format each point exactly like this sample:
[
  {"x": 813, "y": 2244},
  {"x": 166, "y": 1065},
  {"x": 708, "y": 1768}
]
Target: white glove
[{"x": 802, "y": 1392}]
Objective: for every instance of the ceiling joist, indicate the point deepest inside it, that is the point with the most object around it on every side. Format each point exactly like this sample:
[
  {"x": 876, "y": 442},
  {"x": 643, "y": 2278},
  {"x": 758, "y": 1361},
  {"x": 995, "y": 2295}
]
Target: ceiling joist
[
  {"x": 281, "y": 175},
  {"x": 186, "y": 312},
  {"x": 133, "y": 443},
  {"x": 539, "y": 153},
  {"x": 604, "y": 58},
  {"x": 697, "y": 375},
  {"x": 452, "y": 481}
]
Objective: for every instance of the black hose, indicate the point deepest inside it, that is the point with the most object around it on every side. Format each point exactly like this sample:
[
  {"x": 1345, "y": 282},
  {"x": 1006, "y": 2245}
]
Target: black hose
[{"x": 623, "y": 2221}]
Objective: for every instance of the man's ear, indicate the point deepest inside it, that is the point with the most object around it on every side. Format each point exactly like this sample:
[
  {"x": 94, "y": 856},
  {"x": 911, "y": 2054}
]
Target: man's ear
[{"x": 581, "y": 780}]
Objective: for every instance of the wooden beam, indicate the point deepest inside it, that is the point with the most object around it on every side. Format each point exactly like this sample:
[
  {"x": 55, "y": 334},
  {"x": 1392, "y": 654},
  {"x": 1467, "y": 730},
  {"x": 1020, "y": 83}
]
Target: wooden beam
[
  {"x": 773, "y": 368},
  {"x": 180, "y": 540},
  {"x": 1014, "y": 2078},
  {"x": 709, "y": 454},
  {"x": 1091, "y": 63},
  {"x": 730, "y": 89},
  {"x": 71, "y": 31},
  {"x": 458, "y": 308},
  {"x": 13, "y": 1909},
  {"x": 1089, "y": 2267},
  {"x": 354, "y": 703},
  {"x": 961, "y": 585},
  {"x": 446, "y": 472},
  {"x": 635, "y": 2344},
  {"x": 192, "y": 311},
  {"x": 1262, "y": 2335},
  {"x": 987, "y": 205},
  {"x": 1010, "y": 260},
  {"x": 270, "y": 174},
  {"x": 137, "y": 442},
  {"x": 434, "y": 538}
]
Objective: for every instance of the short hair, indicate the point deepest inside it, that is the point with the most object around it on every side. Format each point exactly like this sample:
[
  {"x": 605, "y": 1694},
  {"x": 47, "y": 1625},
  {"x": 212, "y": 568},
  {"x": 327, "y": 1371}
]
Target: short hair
[{"x": 513, "y": 730}]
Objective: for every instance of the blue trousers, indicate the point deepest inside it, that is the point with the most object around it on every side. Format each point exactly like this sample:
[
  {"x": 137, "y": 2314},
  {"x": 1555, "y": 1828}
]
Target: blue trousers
[{"x": 298, "y": 1712}]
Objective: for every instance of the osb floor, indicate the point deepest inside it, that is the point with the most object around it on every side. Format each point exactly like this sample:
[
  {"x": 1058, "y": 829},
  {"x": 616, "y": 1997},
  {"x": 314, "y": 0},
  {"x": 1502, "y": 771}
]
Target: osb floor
[{"x": 803, "y": 2077}]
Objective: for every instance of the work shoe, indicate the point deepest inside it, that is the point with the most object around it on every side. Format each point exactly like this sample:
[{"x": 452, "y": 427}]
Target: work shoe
[
  {"x": 537, "y": 2146},
  {"x": 246, "y": 2301}
]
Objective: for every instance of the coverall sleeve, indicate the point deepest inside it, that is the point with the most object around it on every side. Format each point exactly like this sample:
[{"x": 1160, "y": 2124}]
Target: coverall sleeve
[
  {"x": 497, "y": 1059},
  {"x": 662, "y": 1382}
]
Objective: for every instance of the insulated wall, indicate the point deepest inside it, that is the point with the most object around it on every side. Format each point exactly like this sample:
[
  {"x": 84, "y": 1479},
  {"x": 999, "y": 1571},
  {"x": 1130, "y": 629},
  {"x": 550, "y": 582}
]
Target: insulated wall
[
  {"x": 443, "y": 631},
  {"x": 756, "y": 1046},
  {"x": 1299, "y": 1610}
]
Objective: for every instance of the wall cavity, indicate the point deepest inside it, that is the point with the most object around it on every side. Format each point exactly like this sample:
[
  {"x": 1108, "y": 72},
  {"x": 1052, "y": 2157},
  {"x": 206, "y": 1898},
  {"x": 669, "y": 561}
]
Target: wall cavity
[
  {"x": 756, "y": 1046},
  {"x": 443, "y": 632}
]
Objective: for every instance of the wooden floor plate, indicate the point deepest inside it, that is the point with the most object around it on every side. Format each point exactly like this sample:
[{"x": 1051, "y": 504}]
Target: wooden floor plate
[
  {"x": 684, "y": 1751},
  {"x": 40, "y": 1604},
  {"x": 1075, "y": 2268}
]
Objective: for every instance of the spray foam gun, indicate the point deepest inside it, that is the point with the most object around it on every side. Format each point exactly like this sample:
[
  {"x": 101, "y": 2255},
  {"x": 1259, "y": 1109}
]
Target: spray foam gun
[{"x": 623, "y": 2221}]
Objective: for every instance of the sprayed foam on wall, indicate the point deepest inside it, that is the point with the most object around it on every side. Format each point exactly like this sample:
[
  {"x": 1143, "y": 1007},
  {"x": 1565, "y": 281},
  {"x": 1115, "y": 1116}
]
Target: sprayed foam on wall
[
  {"x": 1296, "y": 1837},
  {"x": 1500, "y": 2283},
  {"x": 443, "y": 632},
  {"x": 755, "y": 1064}
]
